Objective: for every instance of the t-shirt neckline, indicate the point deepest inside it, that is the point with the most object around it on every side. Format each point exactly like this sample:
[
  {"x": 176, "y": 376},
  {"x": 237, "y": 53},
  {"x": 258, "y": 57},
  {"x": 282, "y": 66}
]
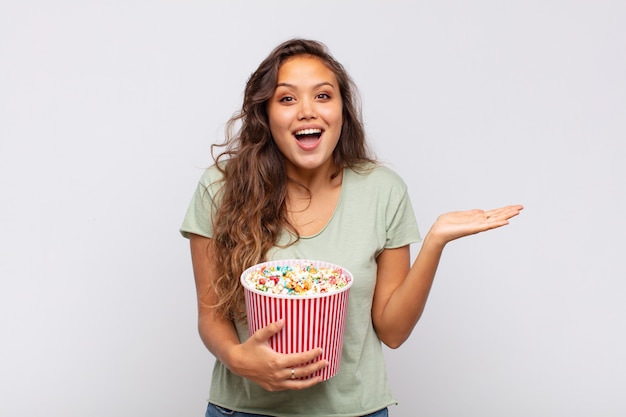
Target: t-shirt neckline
[{"x": 337, "y": 207}]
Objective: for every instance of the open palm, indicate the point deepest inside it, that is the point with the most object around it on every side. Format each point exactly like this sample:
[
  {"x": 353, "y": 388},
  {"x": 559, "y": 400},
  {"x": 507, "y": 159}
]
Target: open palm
[{"x": 457, "y": 224}]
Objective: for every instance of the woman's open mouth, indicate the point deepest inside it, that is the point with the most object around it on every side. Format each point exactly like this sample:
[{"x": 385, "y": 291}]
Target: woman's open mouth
[{"x": 308, "y": 136}]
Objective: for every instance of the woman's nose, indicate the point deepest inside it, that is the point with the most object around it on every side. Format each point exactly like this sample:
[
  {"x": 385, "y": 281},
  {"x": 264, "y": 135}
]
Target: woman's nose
[{"x": 306, "y": 110}]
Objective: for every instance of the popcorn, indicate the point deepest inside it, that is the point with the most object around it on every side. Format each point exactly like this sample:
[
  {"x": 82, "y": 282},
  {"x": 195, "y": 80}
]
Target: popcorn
[
  {"x": 297, "y": 279},
  {"x": 310, "y": 296}
]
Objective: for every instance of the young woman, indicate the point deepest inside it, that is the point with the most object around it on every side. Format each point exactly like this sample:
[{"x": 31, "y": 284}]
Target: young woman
[{"x": 296, "y": 181}]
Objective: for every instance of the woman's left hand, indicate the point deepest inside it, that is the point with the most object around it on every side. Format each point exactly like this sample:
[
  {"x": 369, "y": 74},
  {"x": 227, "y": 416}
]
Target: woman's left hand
[{"x": 454, "y": 225}]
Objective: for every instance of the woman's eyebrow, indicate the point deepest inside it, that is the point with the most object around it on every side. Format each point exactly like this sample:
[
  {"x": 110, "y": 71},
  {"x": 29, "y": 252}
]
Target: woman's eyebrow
[{"x": 318, "y": 85}]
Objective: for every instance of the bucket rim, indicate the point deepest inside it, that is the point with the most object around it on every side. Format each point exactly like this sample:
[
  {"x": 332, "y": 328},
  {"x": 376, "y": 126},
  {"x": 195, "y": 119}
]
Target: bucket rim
[{"x": 317, "y": 263}]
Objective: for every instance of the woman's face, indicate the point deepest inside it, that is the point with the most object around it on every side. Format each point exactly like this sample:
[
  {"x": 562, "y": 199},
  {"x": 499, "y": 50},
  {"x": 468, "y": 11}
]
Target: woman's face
[{"x": 305, "y": 114}]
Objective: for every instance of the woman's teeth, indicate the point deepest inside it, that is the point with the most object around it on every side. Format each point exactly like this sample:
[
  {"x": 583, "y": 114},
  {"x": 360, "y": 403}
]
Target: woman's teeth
[{"x": 304, "y": 132}]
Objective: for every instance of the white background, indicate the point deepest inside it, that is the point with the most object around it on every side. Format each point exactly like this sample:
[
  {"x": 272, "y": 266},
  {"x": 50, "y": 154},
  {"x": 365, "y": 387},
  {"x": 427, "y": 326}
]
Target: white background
[{"x": 107, "y": 112}]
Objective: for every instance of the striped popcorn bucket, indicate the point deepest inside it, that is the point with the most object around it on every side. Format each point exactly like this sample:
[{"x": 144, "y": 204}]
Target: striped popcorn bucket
[{"x": 310, "y": 320}]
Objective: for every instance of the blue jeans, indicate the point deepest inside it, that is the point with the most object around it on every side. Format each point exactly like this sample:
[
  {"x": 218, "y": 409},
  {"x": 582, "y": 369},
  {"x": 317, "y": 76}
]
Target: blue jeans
[{"x": 217, "y": 411}]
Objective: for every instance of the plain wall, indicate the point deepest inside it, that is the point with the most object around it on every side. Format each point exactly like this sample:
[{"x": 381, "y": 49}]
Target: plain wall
[{"x": 107, "y": 112}]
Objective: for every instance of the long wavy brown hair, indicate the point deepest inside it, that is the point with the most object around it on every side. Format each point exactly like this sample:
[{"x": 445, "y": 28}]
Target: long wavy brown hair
[{"x": 252, "y": 211}]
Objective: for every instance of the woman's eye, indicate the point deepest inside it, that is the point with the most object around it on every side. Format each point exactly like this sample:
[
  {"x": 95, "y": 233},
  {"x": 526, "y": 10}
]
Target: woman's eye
[
  {"x": 323, "y": 96},
  {"x": 285, "y": 99}
]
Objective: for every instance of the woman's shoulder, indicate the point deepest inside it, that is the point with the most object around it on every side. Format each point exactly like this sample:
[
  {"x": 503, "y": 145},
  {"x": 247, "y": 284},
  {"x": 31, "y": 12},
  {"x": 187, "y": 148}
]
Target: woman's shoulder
[
  {"x": 377, "y": 173},
  {"x": 213, "y": 174},
  {"x": 212, "y": 179}
]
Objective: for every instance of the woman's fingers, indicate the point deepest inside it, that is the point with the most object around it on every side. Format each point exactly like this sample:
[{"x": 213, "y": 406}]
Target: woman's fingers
[
  {"x": 500, "y": 217},
  {"x": 293, "y": 359},
  {"x": 297, "y": 359},
  {"x": 454, "y": 225},
  {"x": 265, "y": 334},
  {"x": 303, "y": 371},
  {"x": 504, "y": 213},
  {"x": 301, "y": 376},
  {"x": 282, "y": 371}
]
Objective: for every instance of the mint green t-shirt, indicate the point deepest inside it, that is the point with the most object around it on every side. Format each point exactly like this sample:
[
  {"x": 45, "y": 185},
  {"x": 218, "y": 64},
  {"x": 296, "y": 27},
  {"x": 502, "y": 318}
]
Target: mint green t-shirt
[{"x": 373, "y": 213}]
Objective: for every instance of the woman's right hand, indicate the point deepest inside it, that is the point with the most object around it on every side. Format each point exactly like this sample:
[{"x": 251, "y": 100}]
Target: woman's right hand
[{"x": 255, "y": 360}]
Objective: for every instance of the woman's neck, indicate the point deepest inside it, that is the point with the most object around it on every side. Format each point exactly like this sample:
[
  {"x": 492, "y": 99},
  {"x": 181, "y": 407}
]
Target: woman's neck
[
  {"x": 311, "y": 203},
  {"x": 313, "y": 180}
]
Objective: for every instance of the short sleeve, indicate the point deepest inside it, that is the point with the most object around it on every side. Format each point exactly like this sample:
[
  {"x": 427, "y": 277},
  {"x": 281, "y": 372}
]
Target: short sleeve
[
  {"x": 198, "y": 219},
  {"x": 400, "y": 219},
  {"x": 395, "y": 218}
]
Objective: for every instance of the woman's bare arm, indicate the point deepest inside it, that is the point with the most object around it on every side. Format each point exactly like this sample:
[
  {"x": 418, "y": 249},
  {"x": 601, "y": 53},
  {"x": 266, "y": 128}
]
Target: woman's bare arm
[
  {"x": 254, "y": 359},
  {"x": 401, "y": 292}
]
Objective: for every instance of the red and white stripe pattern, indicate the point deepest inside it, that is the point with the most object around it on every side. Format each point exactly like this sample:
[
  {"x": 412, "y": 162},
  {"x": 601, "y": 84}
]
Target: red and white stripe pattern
[{"x": 310, "y": 322}]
